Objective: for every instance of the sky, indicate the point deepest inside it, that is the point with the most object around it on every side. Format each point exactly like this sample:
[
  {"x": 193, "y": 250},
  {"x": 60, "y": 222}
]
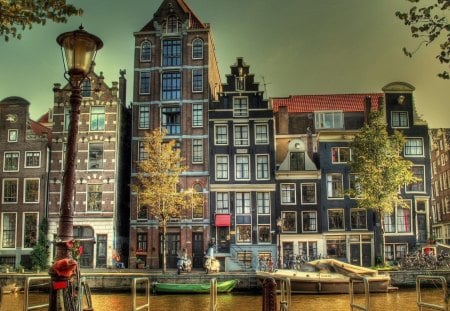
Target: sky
[{"x": 293, "y": 47}]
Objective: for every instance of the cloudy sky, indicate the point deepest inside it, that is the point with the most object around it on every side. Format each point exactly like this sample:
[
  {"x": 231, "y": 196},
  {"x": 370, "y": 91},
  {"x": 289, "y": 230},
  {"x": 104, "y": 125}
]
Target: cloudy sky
[{"x": 294, "y": 46}]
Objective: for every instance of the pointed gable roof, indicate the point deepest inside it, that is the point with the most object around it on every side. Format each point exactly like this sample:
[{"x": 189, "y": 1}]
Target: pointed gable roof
[
  {"x": 174, "y": 7},
  {"x": 311, "y": 103}
]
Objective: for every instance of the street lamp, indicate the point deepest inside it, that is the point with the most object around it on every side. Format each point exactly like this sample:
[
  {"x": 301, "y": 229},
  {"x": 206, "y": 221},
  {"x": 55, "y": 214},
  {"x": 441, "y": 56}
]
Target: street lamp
[
  {"x": 79, "y": 49},
  {"x": 279, "y": 226}
]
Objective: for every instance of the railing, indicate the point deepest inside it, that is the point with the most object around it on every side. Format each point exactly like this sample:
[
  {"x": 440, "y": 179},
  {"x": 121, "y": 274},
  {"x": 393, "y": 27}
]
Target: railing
[
  {"x": 213, "y": 295},
  {"x": 285, "y": 294},
  {"x": 147, "y": 293},
  {"x": 353, "y": 304},
  {"x": 28, "y": 281},
  {"x": 421, "y": 303}
]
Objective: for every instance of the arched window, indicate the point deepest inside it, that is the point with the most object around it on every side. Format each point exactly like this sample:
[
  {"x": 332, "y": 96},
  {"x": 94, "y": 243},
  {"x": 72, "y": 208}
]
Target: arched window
[
  {"x": 197, "y": 49},
  {"x": 146, "y": 52}
]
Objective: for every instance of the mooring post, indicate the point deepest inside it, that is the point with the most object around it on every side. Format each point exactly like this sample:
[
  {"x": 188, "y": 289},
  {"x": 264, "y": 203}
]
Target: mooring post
[{"x": 269, "y": 295}]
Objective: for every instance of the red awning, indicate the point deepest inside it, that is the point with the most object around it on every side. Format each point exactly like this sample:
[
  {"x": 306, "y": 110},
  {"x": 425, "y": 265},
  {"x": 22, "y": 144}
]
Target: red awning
[{"x": 223, "y": 220}]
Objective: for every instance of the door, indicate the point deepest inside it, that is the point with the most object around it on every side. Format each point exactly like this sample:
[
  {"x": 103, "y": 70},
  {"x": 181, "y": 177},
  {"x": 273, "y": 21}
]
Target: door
[
  {"x": 355, "y": 254},
  {"x": 421, "y": 228},
  {"x": 101, "y": 250},
  {"x": 172, "y": 249},
  {"x": 197, "y": 250},
  {"x": 86, "y": 235},
  {"x": 223, "y": 238}
]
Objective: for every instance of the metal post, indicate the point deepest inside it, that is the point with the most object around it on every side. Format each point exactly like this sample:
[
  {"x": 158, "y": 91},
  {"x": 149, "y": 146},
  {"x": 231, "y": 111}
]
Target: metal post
[
  {"x": 269, "y": 302},
  {"x": 65, "y": 229}
]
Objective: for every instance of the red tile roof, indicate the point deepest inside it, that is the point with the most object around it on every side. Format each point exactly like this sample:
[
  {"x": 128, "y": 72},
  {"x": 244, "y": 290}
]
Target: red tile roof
[
  {"x": 39, "y": 129},
  {"x": 311, "y": 103}
]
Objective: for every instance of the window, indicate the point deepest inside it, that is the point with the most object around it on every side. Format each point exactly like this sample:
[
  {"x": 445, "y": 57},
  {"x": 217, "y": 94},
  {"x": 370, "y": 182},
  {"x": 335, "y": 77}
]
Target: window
[
  {"x": 144, "y": 117},
  {"x": 10, "y": 190},
  {"x": 262, "y": 166},
  {"x": 243, "y": 233},
  {"x": 97, "y": 118},
  {"x": 197, "y": 49},
  {"x": 30, "y": 230},
  {"x": 172, "y": 25},
  {"x": 355, "y": 186},
  {"x": 264, "y": 234},
  {"x": 263, "y": 202},
  {"x": 418, "y": 186},
  {"x": 289, "y": 221},
  {"x": 308, "y": 250},
  {"x": 400, "y": 220},
  {"x": 242, "y": 167},
  {"x": 414, "y": 147},
  {"x": 329, "y": 120},
  {"x": 221, "y": 167},
  {"x": 66, "y": 119},
  {"x": 171, "y": 120},
  {"x": 146, "y": 51},
  {"x": 297, "y": 161},
  {"x": 94, "y": 198},
  {"x": 32, "y": 159},
  {"x": 395, "y": 251},
  {"x": 86, "y": 88},
  {"x": 8, "y": 230},
  {"x": 142, "y": 155},
  {"x": 144, "y": 82},
  {"x": 308, "y": 193},
  {"x": 222, "y": 203},
  {"x": 141, "y": 238},
  {"x": 399, "y": 119},
  {"x": 12, "y": 136},
  {"x": 142, "y": 212},
  {"x": 197, "y": 115},
  {"x": 243, "y": 204},
  {"x": 221, "y": 135},
  {"x": 261, "y": 134},
  {"x": 11, "y": 162},
  {"x": 336, "y": 247},
  {"x": 31, "y": 190},
  {"x": 197, "y": 151},
  {"x": 340, "y": 154},
  {"x": 241, "y": 135},
  {"x": 171, "y": 52},
  {"x": 309, "y": 221},
  {"x": 171, "y": 85},
  {"x": 240, "y": 106},
  {"x": 95, "y": 161},
  {"x": 287, "y": 193},
  {"x": 334, "y": 186},
  {"x": 197, "y": 80},
  {"x": 358, "y": 218},
  {"x": 335, "y": 219},
  {"x": 197, "y": 210}
]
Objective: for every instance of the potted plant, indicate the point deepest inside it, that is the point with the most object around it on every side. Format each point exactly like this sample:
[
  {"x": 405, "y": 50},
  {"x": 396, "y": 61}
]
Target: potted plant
[{"x": 140, "y": 264}]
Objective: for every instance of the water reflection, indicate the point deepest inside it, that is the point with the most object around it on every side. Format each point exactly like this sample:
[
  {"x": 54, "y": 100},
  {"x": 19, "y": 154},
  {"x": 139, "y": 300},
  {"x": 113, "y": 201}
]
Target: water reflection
[{"x": 401, "y": 300}]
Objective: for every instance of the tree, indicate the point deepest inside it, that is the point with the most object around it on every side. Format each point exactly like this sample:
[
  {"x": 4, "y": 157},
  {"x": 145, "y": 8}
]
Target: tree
[
  {"x": 39, "y": 254},
  {"x": 16, "y": 15},
  {"x": 157, "y": 183},
  {"x": 430, "y": 24},
  {"x": 380, "y": 171}
]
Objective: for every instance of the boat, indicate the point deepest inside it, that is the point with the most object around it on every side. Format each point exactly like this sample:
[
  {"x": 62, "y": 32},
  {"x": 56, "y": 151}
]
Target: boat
[
  {"x": 329, "y": 276},
  {"x": 193, "y": 288}
]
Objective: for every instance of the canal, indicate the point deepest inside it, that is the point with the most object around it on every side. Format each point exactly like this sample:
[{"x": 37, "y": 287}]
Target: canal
[{"x": 404, "y": 299}]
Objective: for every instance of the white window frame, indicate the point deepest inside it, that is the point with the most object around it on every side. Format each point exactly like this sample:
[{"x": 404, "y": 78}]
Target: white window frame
[
  {"x": 224, "y": 203},
  {"x": 243, "y": 202},
  {"x": 416, "y": 147},
  {"x": 303, "y": 218},
  {"x": 222, "y": 156},
  {"x": 15, "y": 230},
  {"x": 13, "y": 135},
  {"x": 141, "y": 90},
  {"x": 23, "y": 228},
  {"x": 283, "y": 197},
  {"x": 144, "y": 60},
  {"x": 338, "y": 155},
  {"x": 283, "y": 217},
  {"x": 351, "y": 215},
  {"x": 216, "y": 141},
  {"x": 144, "y": 117},
  {"x": 193, "y": 48},
  {"x": 240, "y": 106},
  {"x": 259, "y": 139},
  {"x": 4, "y": 161},
  {"x": 400, "y": 116},
  {"x": 315, "y": 193},
  {"x": 423, "y": 181},
  {"x": 197, "y": 115},
  {"x": 32, "y": 154},
  {"x": 240, "y": 164},
  {"x": 265, "y": 167},
  {"x": 25, "y": 192},
  {"x": 319, "y": 119},
  {"x": 195, "y": 88},
  {"x": 342, "y": 211},
  {"x": 329, "y": 184},
  {"x": 242, "y": 140},
  {"x": 197, "y": 148},
  {"x": 263, "y": 203}
]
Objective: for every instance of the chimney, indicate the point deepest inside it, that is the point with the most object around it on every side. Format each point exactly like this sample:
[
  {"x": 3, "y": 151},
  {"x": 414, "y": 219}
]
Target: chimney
[
  {"x": 283, "y": 120},
  {"x": 367, "y": 108},
  {"x": 122, "y": 87}
]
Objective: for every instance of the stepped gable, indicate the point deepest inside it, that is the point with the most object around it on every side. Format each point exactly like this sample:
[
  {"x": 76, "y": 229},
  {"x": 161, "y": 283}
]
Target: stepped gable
[
  {"x": 174, "y": 7},
  {"x": 240, "y": 70},
  {"x": 311, "y": 103}
]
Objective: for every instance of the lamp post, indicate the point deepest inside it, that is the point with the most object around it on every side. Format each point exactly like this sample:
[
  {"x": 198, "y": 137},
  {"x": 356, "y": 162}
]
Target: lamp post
[
  {"x": 79, "y": 49},
  {"x": 279, "y": 226}
]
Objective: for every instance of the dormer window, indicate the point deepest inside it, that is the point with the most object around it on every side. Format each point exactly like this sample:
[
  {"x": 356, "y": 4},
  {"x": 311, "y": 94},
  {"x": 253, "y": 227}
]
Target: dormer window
[
  {"x": 172, "y": 25},
  {"x": 329, "y": 119},
  {"x": 86, "y": 88}
]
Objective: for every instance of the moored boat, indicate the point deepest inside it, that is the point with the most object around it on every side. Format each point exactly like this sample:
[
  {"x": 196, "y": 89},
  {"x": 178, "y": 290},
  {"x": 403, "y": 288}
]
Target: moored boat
[
  {"x": 329, "y": 276},
  {"x": 195, "y": 288}
]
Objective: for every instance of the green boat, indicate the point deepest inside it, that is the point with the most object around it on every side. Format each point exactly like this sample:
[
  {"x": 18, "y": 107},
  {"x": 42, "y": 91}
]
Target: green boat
[{"x": 186, "y": 288}]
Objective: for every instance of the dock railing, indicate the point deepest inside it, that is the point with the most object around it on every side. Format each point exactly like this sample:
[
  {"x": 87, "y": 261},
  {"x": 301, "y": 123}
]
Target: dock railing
[
  {"x": 134, "y": 284},
  {"x": 213, "y": 295},
  {"x": 421, "y": 304},
  {"x": 28, "y": 284},
  {"x": 353, "y": 304},
  {"x": 285, "y": 294}
]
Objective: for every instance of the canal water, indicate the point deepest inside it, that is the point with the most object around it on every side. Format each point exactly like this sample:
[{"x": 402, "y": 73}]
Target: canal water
[{"x": 404, "y": 300}]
